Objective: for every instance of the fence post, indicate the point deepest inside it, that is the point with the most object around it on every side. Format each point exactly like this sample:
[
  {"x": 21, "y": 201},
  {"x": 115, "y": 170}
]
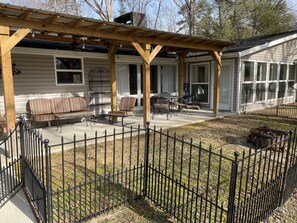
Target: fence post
[
  {"x": 281, "y": 200},
  {"x": 47, "y": 176},
  {"x": 232, "y": 189},
  {"x": 146, "y": 158},
  {"x": 22, "y": 147}
]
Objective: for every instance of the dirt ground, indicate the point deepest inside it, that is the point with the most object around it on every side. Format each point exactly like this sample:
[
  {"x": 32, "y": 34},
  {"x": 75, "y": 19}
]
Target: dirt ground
[{"x": 229, "y": 133}]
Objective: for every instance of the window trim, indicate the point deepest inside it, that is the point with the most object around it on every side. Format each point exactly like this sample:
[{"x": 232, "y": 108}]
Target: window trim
[
  {"x": 206, "y": 83},
  {"x": 265, "y": 82},
  {"x": 253, "y": 82},
  {"x": 61, "y": 70}
]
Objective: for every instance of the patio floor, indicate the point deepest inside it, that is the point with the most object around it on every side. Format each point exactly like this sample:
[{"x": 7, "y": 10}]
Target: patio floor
[{"x": 79, "y": 129}]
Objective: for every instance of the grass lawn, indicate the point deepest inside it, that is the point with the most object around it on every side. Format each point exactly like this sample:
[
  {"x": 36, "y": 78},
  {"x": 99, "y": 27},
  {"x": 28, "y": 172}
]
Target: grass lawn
[{"x": 227, "y": 134}]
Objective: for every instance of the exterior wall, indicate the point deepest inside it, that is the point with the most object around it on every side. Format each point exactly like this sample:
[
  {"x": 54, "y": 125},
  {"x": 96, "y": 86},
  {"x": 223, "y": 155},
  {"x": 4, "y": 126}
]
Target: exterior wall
[
  {"x": 38, "y": 80},
  {"x": 210, "y": 61},
  {"x": 284, "y": 53}
]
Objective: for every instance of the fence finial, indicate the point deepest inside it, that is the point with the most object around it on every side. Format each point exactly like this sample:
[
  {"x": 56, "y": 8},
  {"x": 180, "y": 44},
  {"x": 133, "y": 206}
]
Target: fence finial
[{"x": 148, "y": 124}]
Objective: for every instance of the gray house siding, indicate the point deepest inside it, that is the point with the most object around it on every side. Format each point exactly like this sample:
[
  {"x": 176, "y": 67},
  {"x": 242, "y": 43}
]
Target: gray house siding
[
  {"x": 37, "y": 80},
  {"x": 284, "y": 53}
]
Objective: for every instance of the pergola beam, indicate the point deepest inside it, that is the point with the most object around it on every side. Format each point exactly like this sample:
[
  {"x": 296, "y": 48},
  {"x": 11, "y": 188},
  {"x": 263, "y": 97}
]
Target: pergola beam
[
  {"x": 101, "y": 33},
  {"x": 217, "y": 79},
  {"x": 13, "y": 40},
  {"x": 181, "y": 72},
  {"x": 147, "y": 56},
  {"x": 113, "y": 82},
  {"x": 7, "y": 42}
]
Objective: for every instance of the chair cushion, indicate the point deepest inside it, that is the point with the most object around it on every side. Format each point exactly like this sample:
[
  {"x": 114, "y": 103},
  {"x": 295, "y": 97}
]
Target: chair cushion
[
  {"x": 43, "y": 118},
  {"x": 127, "y": 104},
  {"x": 78, "y": 104},
  {"x": 60, "y": 105},
  {"x": 40, "y": 106}
]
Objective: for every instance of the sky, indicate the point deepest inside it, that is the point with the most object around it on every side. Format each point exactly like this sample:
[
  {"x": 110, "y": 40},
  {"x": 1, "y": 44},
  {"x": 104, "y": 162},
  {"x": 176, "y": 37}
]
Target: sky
[{"x": 292, "y": 4}]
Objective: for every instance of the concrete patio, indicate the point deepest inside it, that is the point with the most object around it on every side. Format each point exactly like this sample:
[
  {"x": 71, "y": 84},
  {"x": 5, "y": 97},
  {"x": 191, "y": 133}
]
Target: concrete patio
[{"x": 67, "y": 131}]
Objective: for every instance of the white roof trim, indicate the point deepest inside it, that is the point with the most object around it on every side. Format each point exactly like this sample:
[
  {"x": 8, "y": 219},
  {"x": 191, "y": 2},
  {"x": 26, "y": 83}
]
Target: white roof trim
[{"x": 266, "y": 45}]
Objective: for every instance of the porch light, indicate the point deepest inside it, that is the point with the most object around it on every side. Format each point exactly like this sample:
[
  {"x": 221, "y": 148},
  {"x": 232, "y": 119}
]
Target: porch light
[{"x": 295, "y": 62}]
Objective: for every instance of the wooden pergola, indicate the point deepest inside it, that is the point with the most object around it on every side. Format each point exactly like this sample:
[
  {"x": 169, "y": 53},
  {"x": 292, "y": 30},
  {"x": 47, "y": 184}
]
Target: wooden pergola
[{"x": 17, "y": 23}]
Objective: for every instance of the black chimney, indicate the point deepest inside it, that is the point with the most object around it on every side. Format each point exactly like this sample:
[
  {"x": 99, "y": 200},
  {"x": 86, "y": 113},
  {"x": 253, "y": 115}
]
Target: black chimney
[{"x": 132, "y": 18}]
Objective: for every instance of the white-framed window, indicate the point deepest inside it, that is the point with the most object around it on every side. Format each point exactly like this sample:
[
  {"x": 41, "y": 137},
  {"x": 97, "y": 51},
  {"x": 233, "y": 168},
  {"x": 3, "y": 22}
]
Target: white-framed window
[
  {"x": 200, "y": 79},
  {"x": 261, "y": 81},
  {"x": 272, "y": 81},
  {"x": 69, "y": 71},
  {"x": 291, "y": 80},
  {"x": 168, "y": 78},
  {"x": 248, "y": 77},
  {"x": 282, "y": 80}
]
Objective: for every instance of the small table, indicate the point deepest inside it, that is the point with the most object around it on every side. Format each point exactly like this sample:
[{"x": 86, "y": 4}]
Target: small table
[
  {"x": 83, "y": 114},
  {"x": 164, "y": 99}
]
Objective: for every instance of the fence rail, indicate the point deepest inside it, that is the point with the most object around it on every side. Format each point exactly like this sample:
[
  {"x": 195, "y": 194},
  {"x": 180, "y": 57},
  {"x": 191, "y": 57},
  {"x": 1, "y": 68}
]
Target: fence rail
[{"x": 85, "y": 178}]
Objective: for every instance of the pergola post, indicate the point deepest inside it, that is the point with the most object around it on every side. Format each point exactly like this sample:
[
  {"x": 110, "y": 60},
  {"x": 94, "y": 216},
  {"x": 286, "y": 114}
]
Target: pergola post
[
  {"x": 181, "y": 73},
  {"x": 7, "y": 42},
  {"x": 113, "y": 81},
  {"x": 217, "y": 78},
  {"x": 147, "y": 57},
  {"x": 146, "y": 86}
]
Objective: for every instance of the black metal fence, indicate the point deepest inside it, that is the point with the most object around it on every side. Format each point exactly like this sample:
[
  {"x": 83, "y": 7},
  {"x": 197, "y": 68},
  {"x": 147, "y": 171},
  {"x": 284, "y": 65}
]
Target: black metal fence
[
  {"x": 10, "y": 166},
  {"x": 270, "y": 103},
  {"x": 75, "y": 181}
]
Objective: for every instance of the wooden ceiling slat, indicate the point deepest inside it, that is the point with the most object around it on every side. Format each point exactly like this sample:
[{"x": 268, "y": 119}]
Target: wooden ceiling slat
[
  {"x": 75, "y": 23},
  {"x": 104, "y": 30},
  {"x": 26, "y": 15}
]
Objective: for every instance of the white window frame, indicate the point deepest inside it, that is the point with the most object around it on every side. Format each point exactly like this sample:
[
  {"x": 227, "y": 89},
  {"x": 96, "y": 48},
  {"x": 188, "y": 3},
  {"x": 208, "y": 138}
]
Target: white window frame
[
  {"x": 261, "y": 82},
  {"x": 253, "y": 82},
  {"x": 65, "y": 70},
  {"x": 208, "y": 83},
  {"x": 283, "y": 81},
  {"x": 273, "y": 81}
]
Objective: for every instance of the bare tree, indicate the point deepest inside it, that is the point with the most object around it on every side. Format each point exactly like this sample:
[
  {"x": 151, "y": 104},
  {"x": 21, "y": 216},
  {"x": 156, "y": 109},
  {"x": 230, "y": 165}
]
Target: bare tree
[
  {"x": 104, "y": 8},
  {"x": 187, "y": 9}
]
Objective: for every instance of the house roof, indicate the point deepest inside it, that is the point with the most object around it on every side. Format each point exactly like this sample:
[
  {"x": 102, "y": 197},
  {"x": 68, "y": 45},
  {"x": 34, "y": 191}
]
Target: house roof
[
  {"x": 64, "y": 28},
  {"x": 248, "y": 43}
]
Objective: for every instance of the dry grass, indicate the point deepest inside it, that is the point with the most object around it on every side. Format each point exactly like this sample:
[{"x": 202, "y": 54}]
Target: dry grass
[{"x": 229, "y": 134}]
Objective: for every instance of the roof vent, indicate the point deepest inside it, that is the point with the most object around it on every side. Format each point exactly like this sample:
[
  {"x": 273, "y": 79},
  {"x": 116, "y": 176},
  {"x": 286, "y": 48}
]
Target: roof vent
[{"x": 132, "y": 18}]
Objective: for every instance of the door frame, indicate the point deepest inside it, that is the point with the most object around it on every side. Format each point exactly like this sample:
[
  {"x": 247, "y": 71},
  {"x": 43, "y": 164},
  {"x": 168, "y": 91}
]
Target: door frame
[{"x": 230, "y": 62}]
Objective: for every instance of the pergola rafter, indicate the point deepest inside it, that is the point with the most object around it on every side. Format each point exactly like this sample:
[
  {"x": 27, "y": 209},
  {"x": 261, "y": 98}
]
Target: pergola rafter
[{"x": 62, "y": 27}]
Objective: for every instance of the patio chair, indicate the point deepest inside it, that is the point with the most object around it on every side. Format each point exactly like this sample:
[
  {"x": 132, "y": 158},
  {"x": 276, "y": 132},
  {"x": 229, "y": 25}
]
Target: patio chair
[
  {"x": 126, "y": 108},
  {"x": 187, "y": 102}
]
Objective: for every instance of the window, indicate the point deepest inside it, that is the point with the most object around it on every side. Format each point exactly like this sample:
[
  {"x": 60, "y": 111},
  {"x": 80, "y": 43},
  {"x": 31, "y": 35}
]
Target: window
[
  {"x": 282, "y": 81},
  {"x": 133, "y": 78},
  {"x": 273, "y": 72},
  {"x": 69, "y": 70},
  {"x": 200, "y": 82},
  {"x": 272, "y": 81},
  {"x": 168, "y": 78},
  {"x": 283, "y": 72},
  {"x": 261, "y": 80},
  {"x": 153, "y": 78},
  {"x": 248, "y": 82},
  {"x": 291, "y": 80}
]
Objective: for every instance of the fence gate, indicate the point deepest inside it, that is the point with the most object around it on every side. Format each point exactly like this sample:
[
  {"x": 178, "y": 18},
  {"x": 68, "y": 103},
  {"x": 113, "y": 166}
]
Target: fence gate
[
  {"x": 10, "y": 168},
  {"x": 33, "y": 167}
]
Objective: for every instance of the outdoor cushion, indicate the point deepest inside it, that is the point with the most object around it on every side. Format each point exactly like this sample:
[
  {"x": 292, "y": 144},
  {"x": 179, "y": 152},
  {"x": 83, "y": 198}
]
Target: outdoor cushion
[
  {"x": 43, "y": 118},
  {"x": 60, "y": 105},
  {"x": 78, "y": 104},
  {"x": 40, "y": 106},
  {"x": 127, "y": 104}
]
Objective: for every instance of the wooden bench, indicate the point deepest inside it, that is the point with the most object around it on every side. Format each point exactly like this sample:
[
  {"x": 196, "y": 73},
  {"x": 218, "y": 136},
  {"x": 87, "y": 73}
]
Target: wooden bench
[
  {"x": 126, "y": 108},
  {"x": 47, "y": 110}
]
